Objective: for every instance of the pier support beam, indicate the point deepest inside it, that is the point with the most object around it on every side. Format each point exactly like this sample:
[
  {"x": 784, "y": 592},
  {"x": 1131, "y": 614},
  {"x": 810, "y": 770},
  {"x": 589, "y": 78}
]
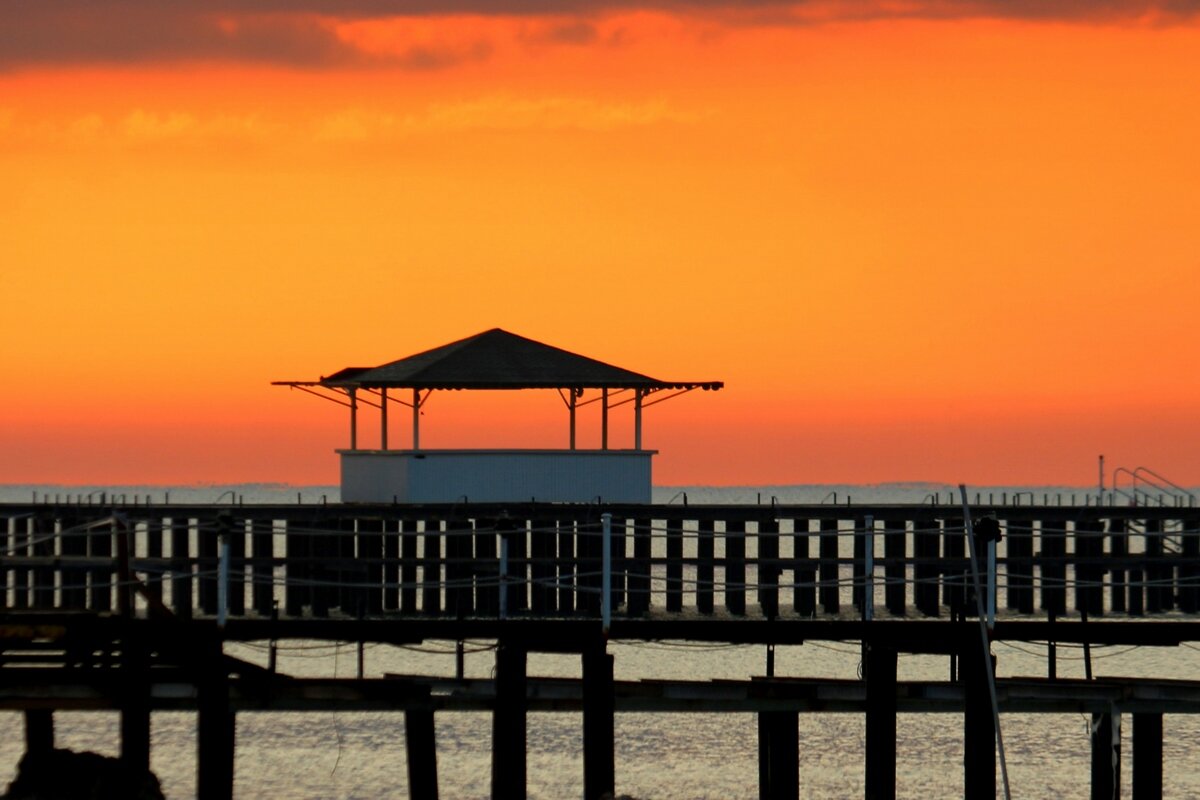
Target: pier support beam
[
  {"x": 216, "y": 733},
  {"x": 979, "y": 731},
  {"x": 1147, "y": 756},
  {"x": 599, "y": 755},
  {"x": 1106, "y": 755},
  {"x": 421, "y": 745},
  {"x": 881, "y": 723},
  {"x": 39, "y": 730},
  {"x": 135, "y": 706},
  {"x": 508, "y": 723},
  {"x": 778, "y": 755}
]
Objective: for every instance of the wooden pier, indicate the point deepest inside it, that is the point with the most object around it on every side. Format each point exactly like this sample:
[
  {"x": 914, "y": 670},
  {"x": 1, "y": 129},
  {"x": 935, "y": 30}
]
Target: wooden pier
[{"x": 129, "y": 607}]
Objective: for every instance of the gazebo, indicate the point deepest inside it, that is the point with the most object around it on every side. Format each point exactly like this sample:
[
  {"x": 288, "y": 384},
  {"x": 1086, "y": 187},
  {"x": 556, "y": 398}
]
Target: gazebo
[{"x": 495, "y": 359}]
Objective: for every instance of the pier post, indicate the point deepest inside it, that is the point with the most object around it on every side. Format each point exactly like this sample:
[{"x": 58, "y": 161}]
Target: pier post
[
  {"x": 979, "y": 732},
  {"x": 1147, "y": 756},
  {"x": 881, "y": 722},
  {"x": 135, "y": 705},
  {"x": 705, "y": 573},
  {"x": 827, "y": 566},
  {"x": 215, "y": 735},
  {"x": 778, "y": 755},
  {"x": 675, "y": 563},
  {"x": 1106, "y": 755},
  {"x": 927, "y": 550},
  {"x": 39, "y": 730},
  {"x": 599, "y": 755},
  {"x": 508, "y": 723},
  {"x": 895, "y": 550},
  {"x": 804, "y": 577},
  {"x": 1118, "y": 547},
  {"x": 421, "y": 749}
]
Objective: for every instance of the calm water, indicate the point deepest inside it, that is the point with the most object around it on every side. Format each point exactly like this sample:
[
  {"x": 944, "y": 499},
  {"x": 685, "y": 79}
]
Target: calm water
[{"x": 659, "y": 757}]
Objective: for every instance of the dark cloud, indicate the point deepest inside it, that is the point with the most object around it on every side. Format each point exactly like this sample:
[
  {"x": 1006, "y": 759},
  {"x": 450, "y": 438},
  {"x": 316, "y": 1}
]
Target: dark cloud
[{"x": 297, "y": 32}]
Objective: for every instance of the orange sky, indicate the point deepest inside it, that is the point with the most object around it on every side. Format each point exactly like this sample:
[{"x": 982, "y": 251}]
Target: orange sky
[{"x": 929, "y": 241}]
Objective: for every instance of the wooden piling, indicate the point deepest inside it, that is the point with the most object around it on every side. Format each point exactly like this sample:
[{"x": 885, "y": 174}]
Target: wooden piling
[
  {"x": 508, "y": 724},
  {"x": 1089, "y": 588},
  {"x": 1118, "y": 548},
  {"x": 828, "y": 566},
  {"x": 216, "y": 734},
  {"x": 39, "y": 730},
  {"x": 1053, "y": 568},
  {"x": 674, "y": 565},
  {"x": 1147, "y": 756},
  {"x": 1158, "y": 573},
  {"x": 181, "y": 568},
  {"x": 460, "y": 600},
  {"x": 778, "y": 755},
  {"x": 599, "y": 752},
  {"x": 74, "y": 579},
  {"x": 156, "y": 533},
  {"x": 262, "y": 555},
  {"x": 409, "y": 539},
  {"x": 20, "y": 549},
  {"x": 370, "y": 550},
  {"x": 207, "y": 565},
  {"x": 1189, "y": 574},
  {"x": 297, "y": 589},
  {"x": 639, "y": 569},
  {"x": 979, "y": 732},
  {"x": 735, "y": 567},
  {"x": 858, "y": 567},
  {"x": 895, "y": 548},
  {"x": 135, "y": 705},
  {"x": 1019, "y": 551},
  {"x": 1106, "y": 756},
  {"x": 420, "y": 744},
  {"x": 804, "y": 576},
  {"x": 487, "y": 568},
  {"x": 543, "y": 538},
  {"x": 880, "y": 670},
  {"x": 569, "y": 534},
  {"x": 237, "y": 568},
  {"x": 768, "y": 567},
  {"x": 42, "y": 531},
  {"x": 927, "y": 551},
  {"x": 705, "y": 560},
  {"x": 431, "y": 566},
  {"x": 954, "y": 579}
]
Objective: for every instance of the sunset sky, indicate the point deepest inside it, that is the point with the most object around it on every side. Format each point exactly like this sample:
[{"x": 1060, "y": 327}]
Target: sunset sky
[{"x": 927, "y": 240}]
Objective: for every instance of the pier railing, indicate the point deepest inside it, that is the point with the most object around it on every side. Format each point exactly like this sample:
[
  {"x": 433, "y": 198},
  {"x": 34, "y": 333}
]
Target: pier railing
[{"x": 772, "y": 561}]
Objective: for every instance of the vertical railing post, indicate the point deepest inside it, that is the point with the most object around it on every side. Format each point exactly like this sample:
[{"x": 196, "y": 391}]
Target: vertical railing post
[
  {"x": 606, "y": 570},
  {"x": 869, "y": 567},
  {"x": 223, "y": 580},
  {"x": 504, "y": 575}
]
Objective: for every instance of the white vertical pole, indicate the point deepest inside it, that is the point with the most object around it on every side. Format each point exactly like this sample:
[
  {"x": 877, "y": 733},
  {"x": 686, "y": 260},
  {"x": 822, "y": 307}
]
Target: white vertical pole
[
  {"x": 223, "y": 582},
  {"x": 606, "y": 571},
  {"x": 869, "y": 568},
  {"x": 503, "y": 577},
  {"x": 383, "y": 401}
]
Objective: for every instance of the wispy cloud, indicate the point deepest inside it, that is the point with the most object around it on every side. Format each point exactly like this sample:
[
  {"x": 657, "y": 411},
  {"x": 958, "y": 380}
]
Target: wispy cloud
[{"x": 305, "y": 33}]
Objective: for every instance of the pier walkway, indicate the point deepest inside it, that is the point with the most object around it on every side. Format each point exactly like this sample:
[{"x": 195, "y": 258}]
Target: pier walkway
[{"x": 129, "y": 606}]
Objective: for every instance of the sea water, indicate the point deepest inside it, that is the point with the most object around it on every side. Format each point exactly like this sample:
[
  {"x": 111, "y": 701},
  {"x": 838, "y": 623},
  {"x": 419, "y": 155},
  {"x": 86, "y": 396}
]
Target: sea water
[{"x": 658, "y": 756}]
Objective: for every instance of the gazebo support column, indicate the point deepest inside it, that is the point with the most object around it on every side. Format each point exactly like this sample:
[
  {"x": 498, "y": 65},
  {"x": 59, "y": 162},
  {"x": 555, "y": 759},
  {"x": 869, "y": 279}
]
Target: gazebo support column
[
  {"x": 604, "y": 419},
  {"x": 383, "y": 401},
  {"x": 416, "y": 405},
  {"x": 571, "y": 406},
  {"x": 353, "y": 418},
  {"x": 637, "y": 419}
]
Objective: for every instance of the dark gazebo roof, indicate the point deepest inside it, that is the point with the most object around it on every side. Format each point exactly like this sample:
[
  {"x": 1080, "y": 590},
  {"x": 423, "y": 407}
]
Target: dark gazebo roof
[{"x": 497, "y": 359}]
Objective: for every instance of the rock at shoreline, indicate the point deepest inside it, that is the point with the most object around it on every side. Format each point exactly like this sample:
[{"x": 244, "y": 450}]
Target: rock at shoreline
[{"x": 67, "y": 775}]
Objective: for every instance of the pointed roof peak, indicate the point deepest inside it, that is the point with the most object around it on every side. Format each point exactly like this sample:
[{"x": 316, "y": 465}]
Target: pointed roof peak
[{"x": 499, "y": 359}]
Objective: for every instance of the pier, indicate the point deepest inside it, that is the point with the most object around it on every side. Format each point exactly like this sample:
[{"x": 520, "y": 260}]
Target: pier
[{"x": 129, "y": 606}]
